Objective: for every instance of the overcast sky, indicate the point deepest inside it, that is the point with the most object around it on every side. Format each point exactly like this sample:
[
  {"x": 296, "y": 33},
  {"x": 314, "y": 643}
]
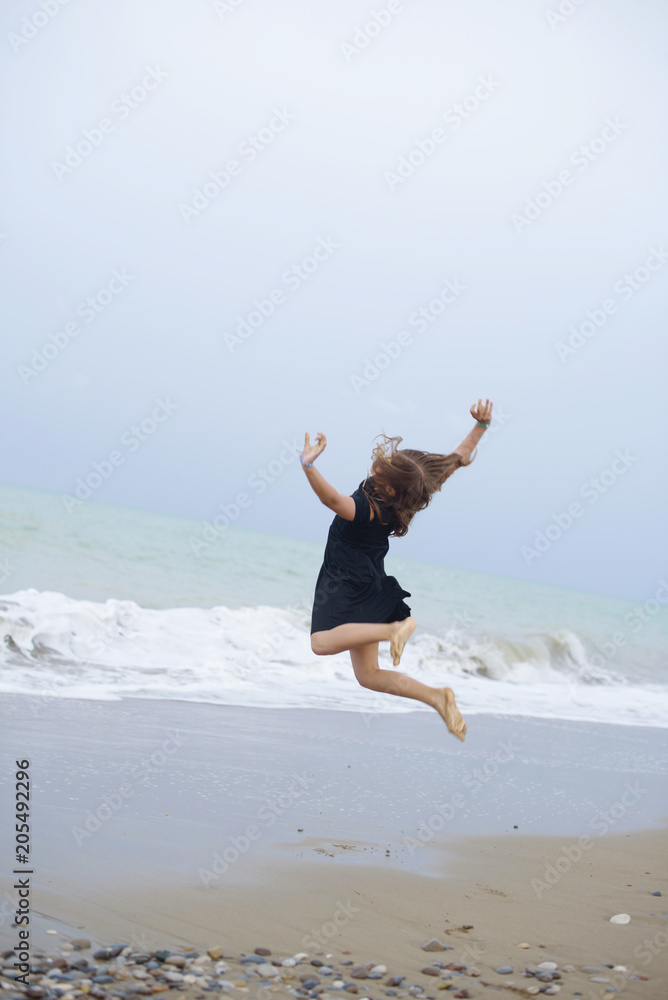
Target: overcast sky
[{"x": 429, "y": 203}]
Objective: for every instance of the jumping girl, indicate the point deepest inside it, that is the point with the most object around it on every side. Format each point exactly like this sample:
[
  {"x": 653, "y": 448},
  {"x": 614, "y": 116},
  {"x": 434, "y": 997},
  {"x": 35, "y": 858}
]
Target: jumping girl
[{"x": 356, "y": 604}]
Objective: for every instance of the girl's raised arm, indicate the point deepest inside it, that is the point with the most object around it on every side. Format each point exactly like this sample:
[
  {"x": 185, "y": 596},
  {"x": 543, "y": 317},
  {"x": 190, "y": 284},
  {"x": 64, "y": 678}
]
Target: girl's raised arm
[
  {"x": 482, "y": 414},
  {"x": 341, "y": 504}
]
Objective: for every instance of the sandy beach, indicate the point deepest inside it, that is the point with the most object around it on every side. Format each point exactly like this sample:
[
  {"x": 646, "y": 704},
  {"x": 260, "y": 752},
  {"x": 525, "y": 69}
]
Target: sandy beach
[{"x": 174, "y": 825}]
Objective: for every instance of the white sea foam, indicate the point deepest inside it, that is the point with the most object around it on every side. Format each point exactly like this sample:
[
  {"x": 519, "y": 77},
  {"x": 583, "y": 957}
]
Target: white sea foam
[{"x": 57, "y": 646}]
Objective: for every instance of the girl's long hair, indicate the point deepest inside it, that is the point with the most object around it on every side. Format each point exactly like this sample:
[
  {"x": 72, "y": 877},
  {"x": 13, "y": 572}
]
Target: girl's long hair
[{"x": 405, "y": 480}]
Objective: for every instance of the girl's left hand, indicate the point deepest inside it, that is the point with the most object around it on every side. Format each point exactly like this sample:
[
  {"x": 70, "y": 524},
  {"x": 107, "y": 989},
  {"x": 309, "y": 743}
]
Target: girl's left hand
[{"x": 311, "y": 451}]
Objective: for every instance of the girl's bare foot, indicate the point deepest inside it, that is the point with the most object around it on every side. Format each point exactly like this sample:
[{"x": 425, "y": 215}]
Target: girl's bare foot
[
  {"x": 447, "y": 709},
  {"x": 400, "y": 637}
]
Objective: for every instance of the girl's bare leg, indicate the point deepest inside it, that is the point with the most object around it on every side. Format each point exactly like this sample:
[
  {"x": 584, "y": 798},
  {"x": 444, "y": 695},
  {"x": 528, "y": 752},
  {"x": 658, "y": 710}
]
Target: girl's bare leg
[
  {"x": 337, "y": 640},
  {"x": 369, "y": 674}
]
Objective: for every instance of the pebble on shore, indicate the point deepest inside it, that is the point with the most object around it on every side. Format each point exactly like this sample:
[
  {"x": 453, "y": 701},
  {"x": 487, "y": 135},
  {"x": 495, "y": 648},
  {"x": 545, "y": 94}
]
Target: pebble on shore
[{"x": 120, "y": 972}]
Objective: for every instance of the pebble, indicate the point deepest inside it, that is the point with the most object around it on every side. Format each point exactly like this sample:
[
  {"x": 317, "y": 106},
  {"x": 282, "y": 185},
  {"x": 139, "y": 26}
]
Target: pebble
[
  {"x": 176, "y": 960},
  {"x": 435, "y": 945},
  {"x": 620, "y": 918},
  {"x": 51, "y": 931},
  {"x": 118, "y": 972},
  {"x": 657, "y": 893}
]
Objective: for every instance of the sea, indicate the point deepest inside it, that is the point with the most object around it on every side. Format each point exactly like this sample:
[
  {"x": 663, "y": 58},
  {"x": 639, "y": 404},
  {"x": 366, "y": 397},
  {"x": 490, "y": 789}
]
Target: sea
[{"x": 106, "y": 602}]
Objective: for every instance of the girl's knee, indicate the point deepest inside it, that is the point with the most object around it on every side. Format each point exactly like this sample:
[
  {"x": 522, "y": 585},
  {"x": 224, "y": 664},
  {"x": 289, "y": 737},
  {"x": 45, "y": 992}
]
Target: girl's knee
[
  {"x": 319, "y": 644},
  {"x": 366, "y": 680}
]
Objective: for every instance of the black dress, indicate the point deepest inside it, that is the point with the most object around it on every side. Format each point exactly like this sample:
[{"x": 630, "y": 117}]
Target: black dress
[{"x": 352, "y": 585}]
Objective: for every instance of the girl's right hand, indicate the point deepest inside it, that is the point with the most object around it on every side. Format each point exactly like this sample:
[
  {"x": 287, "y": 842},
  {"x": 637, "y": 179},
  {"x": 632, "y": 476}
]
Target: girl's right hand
[
  {"x": 311, "y": 451},
  {"x": 482, "y": 412}
]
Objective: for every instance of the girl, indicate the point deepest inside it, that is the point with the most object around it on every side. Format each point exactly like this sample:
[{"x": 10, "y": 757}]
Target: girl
[{"x": 356, "y": 604}]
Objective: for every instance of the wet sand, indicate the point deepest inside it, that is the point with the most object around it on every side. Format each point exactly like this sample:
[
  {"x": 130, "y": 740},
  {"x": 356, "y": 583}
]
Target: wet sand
[{"x": 172, "y": 824}]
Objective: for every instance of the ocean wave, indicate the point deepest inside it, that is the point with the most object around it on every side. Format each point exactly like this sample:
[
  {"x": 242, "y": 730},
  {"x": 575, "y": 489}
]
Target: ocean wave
[{"x": 57, "y": 646}]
